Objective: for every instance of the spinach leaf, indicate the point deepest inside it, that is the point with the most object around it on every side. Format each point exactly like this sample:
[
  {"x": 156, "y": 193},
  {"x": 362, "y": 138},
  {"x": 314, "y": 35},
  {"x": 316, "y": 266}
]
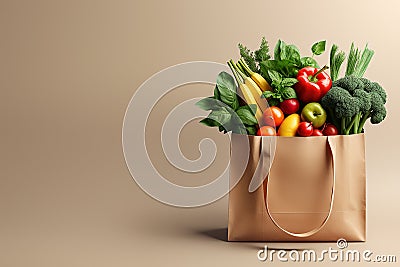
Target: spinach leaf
[
  {"x": 291, "y": 53},
  {"x": 285, "y": 67},
  {"x": 221, "y": 115},
  {"x": 284, "y": 51},
  {"x": 227, "y": 90},
  {"x": 278, "y": 49},
  {"x": 234, "y": 125},
  {"x": 209, "y": 103},
  {"x": 240, "y": 130},
  {"x": 289, "y": 69},
  {"x": 252, "y": 130},
  {"x": 246, "y": 116},
  {"x": 252, "y": 108},
  {"x": 216, "y": 93},
  {"x": 309, "y": 61},
  {"x": 318, "y": 48},
  {"x": 267, "y": 65},
  {"x": 209, "y": 122}
]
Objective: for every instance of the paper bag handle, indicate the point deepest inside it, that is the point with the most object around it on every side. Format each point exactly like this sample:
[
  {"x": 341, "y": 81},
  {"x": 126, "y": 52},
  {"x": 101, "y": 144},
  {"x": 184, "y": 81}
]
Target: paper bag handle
[{"x": 332, "y": 149}]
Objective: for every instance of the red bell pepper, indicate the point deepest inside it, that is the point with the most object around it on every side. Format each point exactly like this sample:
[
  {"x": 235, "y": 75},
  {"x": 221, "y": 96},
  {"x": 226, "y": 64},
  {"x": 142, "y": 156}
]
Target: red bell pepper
[{"x": 312, "y": 84}]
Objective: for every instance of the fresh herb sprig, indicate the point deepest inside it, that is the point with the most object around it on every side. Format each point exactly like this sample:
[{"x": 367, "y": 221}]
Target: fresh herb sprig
[
  {"x": 253, "y": 59},
  {"x": 263, "y": 52},
  {"x": 248, "y": 57},
  {"x": 282, "y": 88}
]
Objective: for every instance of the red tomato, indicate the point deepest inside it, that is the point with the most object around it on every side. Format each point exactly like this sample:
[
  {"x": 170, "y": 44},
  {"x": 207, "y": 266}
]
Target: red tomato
[
  {"x": 305, "y": 129},
  {"x": 330, "y": 129},
  {"x": 317, "y": 132},
  {"x": 290, "y": 106},
  {"x": 266, "y": 131},
  {"x": 273, "y": 116}
]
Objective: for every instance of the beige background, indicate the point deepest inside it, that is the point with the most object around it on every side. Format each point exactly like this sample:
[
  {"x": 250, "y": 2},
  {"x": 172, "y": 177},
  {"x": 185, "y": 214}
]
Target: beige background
[{"x": 67, "y": 72}]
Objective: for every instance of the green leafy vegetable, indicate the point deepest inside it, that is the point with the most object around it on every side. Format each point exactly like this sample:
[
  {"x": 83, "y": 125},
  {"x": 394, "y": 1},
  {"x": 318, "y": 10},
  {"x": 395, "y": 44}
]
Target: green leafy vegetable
[
  {"x": 275, "y": 76},
  {"x": 290, "y": 53},
  {"x": 287, "y": 82},
  {"x": 251, "y": 130},
  {"x": 216, "y": 93},
  {"x": 220, "y": 115},
  {"x": 246, "y": 116},
  {"x": 208, "y": 103},
  {"x": 309, "y": 61},
  {"x": 209, "y": 122},
  {"x": 278, "y": 49},
  {"x": 285, "y": 67},
  {"x": 227, "y": 90},
  {"x": 318, "y": 48},
  {"x": 287, "y": 60},
  {"x": 252, "y": 108},
  {"x": 226, "y": 114},
  {"x": 287, "y": 52},
  {"x": 288, "y": 93},
  {"x": 282, "y": 88}
]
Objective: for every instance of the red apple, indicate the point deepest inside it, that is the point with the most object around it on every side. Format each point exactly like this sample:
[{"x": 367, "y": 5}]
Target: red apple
[
  {"x": 305, "y": 129},
  {"x": 317, "y": 132},
  {"x": 330, "y": 129},
  {"x": 290, "y": 106}
]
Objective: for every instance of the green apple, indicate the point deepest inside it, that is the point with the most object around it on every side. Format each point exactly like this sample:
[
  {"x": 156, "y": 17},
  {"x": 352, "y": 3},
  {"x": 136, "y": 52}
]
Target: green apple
[{"x": 314, "y": 113}]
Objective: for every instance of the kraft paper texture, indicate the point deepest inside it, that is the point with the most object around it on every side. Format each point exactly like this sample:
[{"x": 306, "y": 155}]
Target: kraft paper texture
[{"x": 300, "y": 190}]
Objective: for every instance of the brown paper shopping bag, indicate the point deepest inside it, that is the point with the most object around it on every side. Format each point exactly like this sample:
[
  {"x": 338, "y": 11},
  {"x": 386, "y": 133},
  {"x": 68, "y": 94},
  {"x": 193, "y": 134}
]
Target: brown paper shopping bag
[{"x": 315, "y": 190}]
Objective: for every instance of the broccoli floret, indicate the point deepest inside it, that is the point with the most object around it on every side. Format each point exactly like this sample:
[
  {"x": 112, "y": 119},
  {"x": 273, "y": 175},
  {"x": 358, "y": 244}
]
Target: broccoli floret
[
  {"x": 370, "y": 86},
  {"x": 350, "y": 83},
  {"x": 341, "y": 106},
  {"x": 376, "y": 88},
  {"x": 378, "y": 115},
  {"x": 329, "y": 101},
  {"x": 366, "y": 83},
  {"x": 376, "y": 101},
  {"x": 351, "y": 101},
  {"x": 364, "y": 98},
  {"x": 378, "y": 110},
  {"x": 348, "y": 106}
]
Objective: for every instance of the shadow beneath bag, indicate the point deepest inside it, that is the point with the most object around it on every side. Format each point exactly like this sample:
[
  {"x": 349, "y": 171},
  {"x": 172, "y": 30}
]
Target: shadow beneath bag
[{"x": 219, "y": 234}]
